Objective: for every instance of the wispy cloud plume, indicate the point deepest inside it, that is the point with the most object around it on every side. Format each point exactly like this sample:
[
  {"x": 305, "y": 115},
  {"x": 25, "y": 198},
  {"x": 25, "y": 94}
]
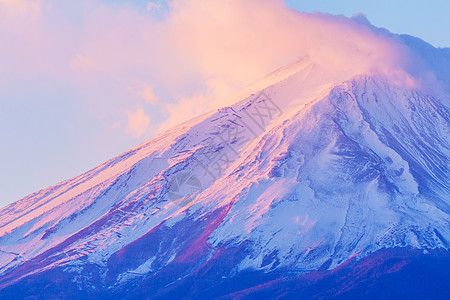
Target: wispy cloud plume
[
  {"x": 196, "y": 58},
  {"x": 138, "y": 122}
]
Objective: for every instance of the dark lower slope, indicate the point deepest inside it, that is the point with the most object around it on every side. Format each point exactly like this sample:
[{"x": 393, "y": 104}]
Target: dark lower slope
[{"x": 387, "y": 274}]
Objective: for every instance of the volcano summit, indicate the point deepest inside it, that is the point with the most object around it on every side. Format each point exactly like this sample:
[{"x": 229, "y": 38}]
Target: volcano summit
[{"x": 324, "y": 182}]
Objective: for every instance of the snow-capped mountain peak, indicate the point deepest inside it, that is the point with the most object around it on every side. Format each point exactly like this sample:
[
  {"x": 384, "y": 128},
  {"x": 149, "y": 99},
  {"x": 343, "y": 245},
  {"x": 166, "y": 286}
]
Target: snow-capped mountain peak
[{"x": 310, "y": 171}]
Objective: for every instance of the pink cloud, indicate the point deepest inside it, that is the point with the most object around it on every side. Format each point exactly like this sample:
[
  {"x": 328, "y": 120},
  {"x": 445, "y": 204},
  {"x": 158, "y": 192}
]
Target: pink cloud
[
  {"x": 27, "y": 8},
  {"x": 138, "y": 122},
  {"x": 201, "y": 56}
]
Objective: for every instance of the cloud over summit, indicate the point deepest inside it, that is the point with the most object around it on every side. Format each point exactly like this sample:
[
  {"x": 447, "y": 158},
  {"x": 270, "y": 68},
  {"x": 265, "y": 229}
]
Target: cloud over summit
[{"x": 198, "y": 54}]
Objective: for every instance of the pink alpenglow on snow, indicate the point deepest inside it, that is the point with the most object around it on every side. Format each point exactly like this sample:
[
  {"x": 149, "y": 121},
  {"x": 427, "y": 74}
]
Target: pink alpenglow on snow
[{"x": 282, "y": 154}]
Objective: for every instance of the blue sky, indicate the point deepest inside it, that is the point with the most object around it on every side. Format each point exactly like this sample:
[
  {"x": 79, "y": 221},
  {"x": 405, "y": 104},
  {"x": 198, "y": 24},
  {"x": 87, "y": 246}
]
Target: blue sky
[
  {"x": 428, "y": 20},
  {"x": 63, "y": 112}
]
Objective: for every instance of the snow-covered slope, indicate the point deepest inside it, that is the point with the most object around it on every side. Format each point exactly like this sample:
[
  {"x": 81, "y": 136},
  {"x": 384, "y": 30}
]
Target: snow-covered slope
[{"x": 312, "y": 170}]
